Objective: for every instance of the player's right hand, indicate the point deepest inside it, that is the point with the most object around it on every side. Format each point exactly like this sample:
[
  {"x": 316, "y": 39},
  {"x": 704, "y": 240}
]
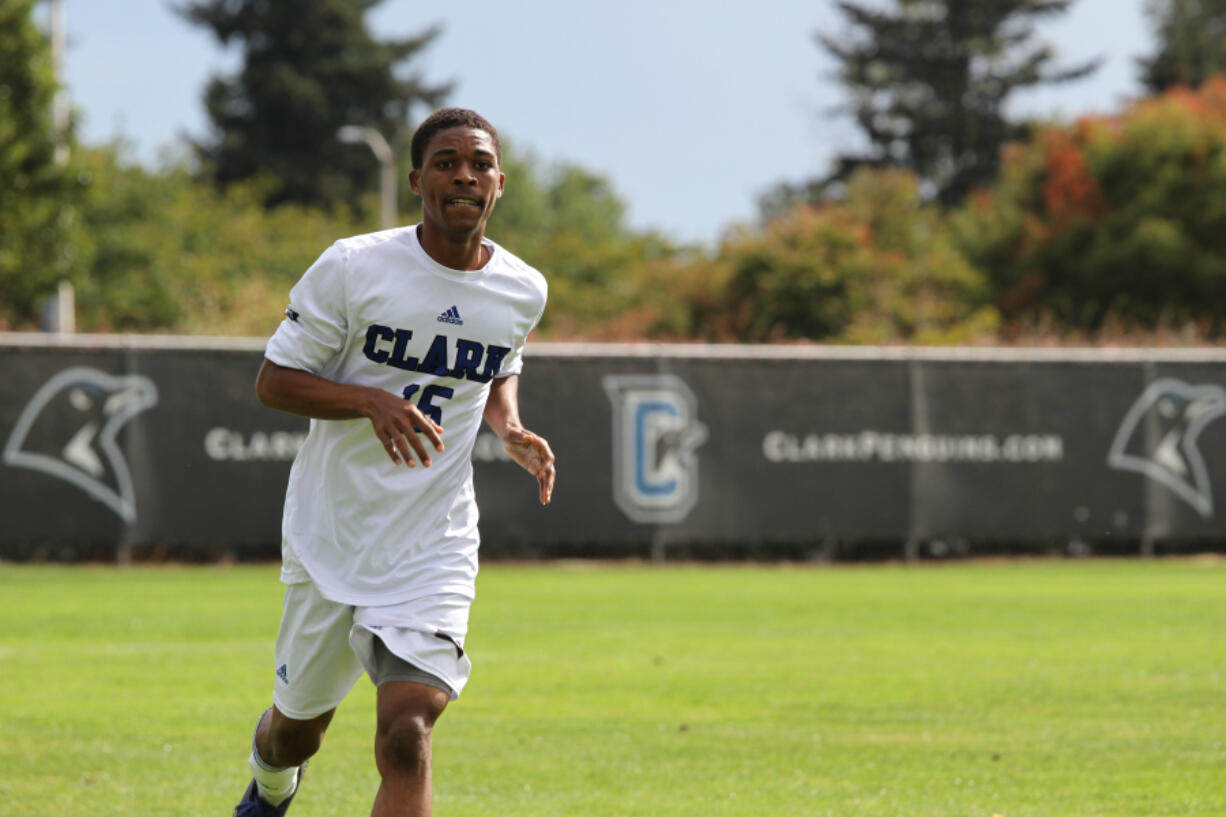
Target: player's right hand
[{"x": 404, "y": 430}]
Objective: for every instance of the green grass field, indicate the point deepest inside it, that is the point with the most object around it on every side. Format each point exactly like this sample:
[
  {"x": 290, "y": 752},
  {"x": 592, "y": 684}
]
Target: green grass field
[{"x": 1041, "y": 688}]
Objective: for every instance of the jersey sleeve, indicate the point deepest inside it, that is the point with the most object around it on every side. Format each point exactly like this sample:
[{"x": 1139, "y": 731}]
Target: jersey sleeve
[
  {"x": 316, "y": 323},
  {"x": 514, "y": 362}
]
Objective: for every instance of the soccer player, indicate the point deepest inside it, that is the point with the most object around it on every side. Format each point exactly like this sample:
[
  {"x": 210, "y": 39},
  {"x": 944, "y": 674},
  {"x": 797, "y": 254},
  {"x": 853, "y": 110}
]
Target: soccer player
[{"x": 396, "y": 344}]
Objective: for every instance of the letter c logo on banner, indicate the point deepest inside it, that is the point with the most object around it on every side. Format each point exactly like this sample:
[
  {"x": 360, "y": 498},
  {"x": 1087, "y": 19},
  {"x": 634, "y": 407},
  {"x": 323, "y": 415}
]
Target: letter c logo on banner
[{"x": 655, "y": 434}]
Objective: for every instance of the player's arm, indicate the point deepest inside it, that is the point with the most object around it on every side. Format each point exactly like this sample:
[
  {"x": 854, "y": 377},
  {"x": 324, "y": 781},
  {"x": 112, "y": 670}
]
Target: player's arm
[
  {"x": 396, "y": 421},
  {"x": 529, "y": 450}
]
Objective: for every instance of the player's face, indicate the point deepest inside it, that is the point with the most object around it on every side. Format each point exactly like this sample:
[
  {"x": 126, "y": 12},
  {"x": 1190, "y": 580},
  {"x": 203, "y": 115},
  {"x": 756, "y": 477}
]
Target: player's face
[{"x": 459, "y": 181}]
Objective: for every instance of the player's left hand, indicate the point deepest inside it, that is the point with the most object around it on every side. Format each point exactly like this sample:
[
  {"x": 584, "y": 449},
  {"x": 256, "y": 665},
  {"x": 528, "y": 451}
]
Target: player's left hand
[{"x": 535, "y": 455}]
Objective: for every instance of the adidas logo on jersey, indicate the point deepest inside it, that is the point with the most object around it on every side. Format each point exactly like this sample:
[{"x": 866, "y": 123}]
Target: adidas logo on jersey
[{"x": 452, "y": 315}]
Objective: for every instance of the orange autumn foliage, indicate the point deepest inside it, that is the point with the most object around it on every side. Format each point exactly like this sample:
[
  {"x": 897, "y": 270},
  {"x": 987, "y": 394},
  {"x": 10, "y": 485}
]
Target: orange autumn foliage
[
  {"x": 1110, "y": 221},
  {"x": 1070, "y": 193}
]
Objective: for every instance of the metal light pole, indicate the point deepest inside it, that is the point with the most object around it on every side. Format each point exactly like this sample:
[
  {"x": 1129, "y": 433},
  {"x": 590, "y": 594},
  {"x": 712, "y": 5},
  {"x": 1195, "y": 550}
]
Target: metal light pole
[
  {"x": 60, "y": 310},
  {"x": 357, "y": 134},
  {"x": 59, "y": 104}
]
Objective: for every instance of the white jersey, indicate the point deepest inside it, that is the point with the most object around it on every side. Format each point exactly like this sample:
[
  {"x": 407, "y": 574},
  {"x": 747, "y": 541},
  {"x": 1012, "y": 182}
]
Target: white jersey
[{"x": 376, "y": 310}]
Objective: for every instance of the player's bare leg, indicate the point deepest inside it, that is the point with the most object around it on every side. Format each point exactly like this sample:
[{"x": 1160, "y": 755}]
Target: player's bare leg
[
  {"x": 283, "y": 741},
  {"x": 406, "y": 713},
  {"x": 280, "y": 747}
]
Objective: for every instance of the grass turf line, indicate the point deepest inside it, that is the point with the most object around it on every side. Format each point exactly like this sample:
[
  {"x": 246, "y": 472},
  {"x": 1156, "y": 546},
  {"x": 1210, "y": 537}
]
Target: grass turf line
[{"x": 1032, "y": 688}]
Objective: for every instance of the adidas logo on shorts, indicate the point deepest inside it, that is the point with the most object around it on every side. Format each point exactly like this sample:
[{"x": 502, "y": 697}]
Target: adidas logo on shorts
[
  {"x": 452, "y": 315},
  {"x": 283, "y": 673}
]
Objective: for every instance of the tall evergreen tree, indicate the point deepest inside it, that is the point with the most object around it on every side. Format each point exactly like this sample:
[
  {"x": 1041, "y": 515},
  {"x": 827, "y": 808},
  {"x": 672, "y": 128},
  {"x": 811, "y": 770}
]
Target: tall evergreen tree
[
  {"x": 1191, "y": 43},
  {"x": 929, "y": 79},
  {"x": 38, "y": 240},
  {"x": 309, "y": 67}
]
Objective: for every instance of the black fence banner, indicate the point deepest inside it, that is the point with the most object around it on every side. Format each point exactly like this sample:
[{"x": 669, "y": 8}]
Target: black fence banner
[{"x": 115, "y": 446}]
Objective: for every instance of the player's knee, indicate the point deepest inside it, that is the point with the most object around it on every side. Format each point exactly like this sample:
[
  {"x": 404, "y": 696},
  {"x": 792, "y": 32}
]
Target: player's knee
[{"x": 404, "y": 742}]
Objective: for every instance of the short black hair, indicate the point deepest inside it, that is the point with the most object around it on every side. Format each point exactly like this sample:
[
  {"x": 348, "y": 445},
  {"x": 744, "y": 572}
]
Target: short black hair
[{"x": 450, "y": 118}]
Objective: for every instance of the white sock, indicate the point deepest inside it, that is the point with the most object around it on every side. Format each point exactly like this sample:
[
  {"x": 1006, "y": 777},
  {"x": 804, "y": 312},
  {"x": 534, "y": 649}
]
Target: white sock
[{"x": 275, "y": 783}]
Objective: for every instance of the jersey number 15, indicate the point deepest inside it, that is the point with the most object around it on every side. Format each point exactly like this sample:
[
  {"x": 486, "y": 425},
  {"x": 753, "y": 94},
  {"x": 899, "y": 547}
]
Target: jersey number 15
[{"x": 425, "y": 403}]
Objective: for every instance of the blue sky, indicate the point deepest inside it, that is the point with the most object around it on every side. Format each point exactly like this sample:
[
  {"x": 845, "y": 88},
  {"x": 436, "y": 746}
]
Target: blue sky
[{"x": 692, "y": 113}]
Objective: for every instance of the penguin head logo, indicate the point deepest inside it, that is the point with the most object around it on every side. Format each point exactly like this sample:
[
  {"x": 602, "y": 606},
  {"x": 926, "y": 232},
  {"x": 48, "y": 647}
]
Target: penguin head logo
[
  {"x": 1158, "y": 438},
  {"x": 68, "y": 430}
]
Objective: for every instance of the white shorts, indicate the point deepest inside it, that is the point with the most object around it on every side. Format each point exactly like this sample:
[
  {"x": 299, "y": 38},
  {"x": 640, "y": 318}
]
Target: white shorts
[{"x": 324, "y": 646}]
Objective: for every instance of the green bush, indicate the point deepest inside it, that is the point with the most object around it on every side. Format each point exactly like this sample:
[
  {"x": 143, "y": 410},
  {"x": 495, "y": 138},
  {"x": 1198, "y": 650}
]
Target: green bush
[{"x": 878, "y": 267}]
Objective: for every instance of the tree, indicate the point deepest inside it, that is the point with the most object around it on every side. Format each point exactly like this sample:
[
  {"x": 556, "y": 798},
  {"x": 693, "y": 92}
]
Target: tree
[
  {"x": 172, "y": 253},
  {"x": 878, "y": 267},
  {"x": 1191, "y": 43},
  {"x": 929, "y": 79},
  {"x": 39, "y": 245},
  {"x": 309, "y": 67},
  {"x": 1111, "y": 224}
]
